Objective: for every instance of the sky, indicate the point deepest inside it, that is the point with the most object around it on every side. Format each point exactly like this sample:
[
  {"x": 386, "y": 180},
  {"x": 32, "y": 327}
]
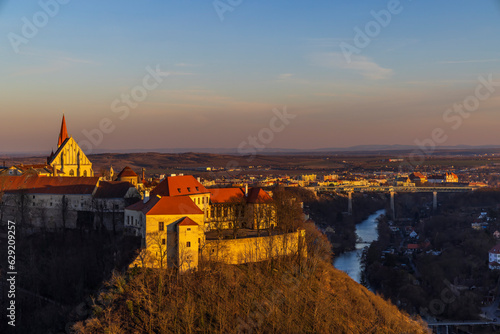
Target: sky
[{"x": 250, "y": 74}]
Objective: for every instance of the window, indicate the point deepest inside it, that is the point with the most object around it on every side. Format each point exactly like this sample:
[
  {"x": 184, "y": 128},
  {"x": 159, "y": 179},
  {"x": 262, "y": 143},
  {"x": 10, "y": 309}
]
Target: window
[
  {"x": 189, "y": 228},
  {"x": 188, "y": 244},
  {"x": 197, "y": 188},
  {"x": 163, "y": 242},
  {"x": 71, "y": 173},
  {"x": 161, "y": 226},
  {"x": 33, "y": 196},
  {"x": 179, "y": 190},
  {"x": 84, "y": 173},
  {"x": 189, "y": 189}
]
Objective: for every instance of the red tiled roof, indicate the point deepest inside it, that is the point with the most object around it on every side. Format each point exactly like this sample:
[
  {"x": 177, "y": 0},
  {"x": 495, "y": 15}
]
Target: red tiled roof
[
  {"x": 167, "y": 206},
  {"x": 223, "y": 195},
  {"x": 179, "y": 186},
  {"x": 127, "y": 172},
  {"x": 495, "y": 249},
  {"x": 34, "y": 184},
  {"x": 186, "y": 221},
  {"x": 417, "y": 175},
  {"x": 113, "y": 189},
  {"x": 258, "y": 195}
]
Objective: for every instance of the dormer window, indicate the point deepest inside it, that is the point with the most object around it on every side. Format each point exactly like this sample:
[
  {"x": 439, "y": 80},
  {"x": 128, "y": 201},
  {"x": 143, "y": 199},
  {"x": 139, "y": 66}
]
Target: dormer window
[
  {"x": 179, "y": 190},
  {"x": 197, "y": 188},
  {"x": 189, "y": 189}
]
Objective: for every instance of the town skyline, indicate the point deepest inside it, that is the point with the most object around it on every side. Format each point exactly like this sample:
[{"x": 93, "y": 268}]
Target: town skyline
[{"x": 390, "y": 72}]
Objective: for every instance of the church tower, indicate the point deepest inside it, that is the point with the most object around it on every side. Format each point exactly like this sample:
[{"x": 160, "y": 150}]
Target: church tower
[
  {"x": 69, "y": 159},
  {"x": 63, "y": 135}
]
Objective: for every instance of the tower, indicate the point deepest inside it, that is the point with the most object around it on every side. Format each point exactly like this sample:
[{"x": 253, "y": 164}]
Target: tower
[{"x": 63, "y": 134}]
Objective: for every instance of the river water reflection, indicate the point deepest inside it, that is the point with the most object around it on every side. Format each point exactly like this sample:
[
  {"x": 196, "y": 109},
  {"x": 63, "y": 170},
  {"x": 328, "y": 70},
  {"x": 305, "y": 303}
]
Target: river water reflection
[{"x": 350, "y": 262}]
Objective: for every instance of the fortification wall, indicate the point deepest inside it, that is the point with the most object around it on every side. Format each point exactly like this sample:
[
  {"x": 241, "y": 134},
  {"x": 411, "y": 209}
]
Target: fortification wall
[{"x": 244, "y": 250}]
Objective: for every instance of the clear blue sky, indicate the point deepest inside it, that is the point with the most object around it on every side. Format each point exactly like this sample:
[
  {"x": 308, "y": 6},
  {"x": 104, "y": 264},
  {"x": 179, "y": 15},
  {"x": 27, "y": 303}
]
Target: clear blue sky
[{"x": 226, "y": 76}]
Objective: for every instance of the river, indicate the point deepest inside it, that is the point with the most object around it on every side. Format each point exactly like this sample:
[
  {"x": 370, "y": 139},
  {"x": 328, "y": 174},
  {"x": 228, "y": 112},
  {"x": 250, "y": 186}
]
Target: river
[{"x": 350, "y": 262}]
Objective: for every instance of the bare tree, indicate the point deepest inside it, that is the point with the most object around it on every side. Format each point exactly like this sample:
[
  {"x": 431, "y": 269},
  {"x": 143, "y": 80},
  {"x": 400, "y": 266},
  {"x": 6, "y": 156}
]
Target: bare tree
[
  {"x": 156, "y": 243},
  {"x": 23, "y": 202},
  {"x": 99, "y": 207},
  {"x": 64, "y": 211},
  {"x": 237, "y": 214},
  {"x": 288, "y": 210}
]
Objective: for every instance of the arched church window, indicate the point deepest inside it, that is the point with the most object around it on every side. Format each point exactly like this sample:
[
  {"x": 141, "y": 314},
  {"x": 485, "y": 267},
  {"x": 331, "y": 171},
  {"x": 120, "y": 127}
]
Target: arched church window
[
  {"x": 71, "y": 173},
  {"x": 84, "y": 173}
]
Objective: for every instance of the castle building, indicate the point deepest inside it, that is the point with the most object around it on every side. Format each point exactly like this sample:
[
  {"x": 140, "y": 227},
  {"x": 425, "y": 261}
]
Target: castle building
[
  {"x": 171, "y": 228},
  {"x": 69, "y": 159},
  {"x": 182, "y": 222},
  {"x": 41, "y": 202}
]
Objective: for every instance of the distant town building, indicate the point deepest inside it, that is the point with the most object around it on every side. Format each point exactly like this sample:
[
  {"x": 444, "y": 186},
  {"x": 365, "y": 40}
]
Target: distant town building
[
  {"x": 494, "y": 257},
  {"x": 417, "y": 177},
  {"x": 128, "y": 175},
  {"x": 443, "y": 178}
]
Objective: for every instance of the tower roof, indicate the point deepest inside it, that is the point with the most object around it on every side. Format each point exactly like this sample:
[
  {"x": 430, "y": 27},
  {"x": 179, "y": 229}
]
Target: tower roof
[{"x": 63, "y": 135}]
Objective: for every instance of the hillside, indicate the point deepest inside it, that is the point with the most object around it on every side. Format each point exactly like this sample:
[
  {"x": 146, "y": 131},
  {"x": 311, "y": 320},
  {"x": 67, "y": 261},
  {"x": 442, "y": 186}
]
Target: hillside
[{"x": 281, "y": 296}]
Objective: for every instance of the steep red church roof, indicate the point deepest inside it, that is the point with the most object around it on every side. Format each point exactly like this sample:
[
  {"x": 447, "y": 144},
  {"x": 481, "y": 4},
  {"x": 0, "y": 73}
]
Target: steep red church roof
[{"x": 63, "y": 135}]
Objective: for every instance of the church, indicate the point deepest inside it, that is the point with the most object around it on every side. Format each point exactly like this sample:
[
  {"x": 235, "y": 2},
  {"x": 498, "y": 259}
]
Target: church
[{"x": 69, "y": 159}]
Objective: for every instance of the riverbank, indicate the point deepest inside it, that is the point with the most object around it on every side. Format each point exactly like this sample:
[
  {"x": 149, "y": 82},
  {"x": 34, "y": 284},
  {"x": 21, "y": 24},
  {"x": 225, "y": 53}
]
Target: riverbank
[
  {"x": 329, "y": 214},
  {"x": 350, "y": 262}
]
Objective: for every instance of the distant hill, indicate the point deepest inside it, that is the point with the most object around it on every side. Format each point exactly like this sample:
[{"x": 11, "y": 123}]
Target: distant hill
[{"x": 235, "y": 151}]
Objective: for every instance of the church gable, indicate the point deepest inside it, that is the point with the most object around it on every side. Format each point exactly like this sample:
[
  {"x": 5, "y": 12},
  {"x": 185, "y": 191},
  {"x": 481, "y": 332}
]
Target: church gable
[
  {"x": 71, "y": 160},
  {"x": 70, "y": 153}
]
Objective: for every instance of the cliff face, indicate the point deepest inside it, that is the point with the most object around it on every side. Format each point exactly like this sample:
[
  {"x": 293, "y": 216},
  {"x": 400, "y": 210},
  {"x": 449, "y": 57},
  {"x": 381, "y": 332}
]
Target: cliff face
[{"x": 279, "y": 297}]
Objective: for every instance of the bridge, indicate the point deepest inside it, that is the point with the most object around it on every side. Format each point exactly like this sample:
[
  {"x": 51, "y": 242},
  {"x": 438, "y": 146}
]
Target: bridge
[
  {"x": 349, "y": 189},
  {"x": 444, "y": 326}
]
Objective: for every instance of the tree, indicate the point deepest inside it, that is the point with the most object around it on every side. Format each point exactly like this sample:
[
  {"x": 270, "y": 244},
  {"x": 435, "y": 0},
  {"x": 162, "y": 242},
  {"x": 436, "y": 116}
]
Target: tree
[
  {"x": 64, "y": 211},
  {"x": 237, "y": 212},
  {"x": 288, "y": 210},
  {"x": 100, "y": 209},
  {"x": 23, "y": 202}
]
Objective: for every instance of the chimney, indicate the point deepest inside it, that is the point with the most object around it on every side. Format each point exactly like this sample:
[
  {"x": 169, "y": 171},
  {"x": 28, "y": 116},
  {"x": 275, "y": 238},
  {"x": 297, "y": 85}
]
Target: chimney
[
  {"x": 146, "y": 196},
  {"x": 246, "y": 190},
  {"x": 143, "y": 174}
]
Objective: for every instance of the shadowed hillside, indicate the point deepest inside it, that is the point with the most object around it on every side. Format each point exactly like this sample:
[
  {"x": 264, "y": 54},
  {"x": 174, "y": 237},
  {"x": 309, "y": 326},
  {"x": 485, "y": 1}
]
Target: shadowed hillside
[{"x": 288, "y": 295}]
